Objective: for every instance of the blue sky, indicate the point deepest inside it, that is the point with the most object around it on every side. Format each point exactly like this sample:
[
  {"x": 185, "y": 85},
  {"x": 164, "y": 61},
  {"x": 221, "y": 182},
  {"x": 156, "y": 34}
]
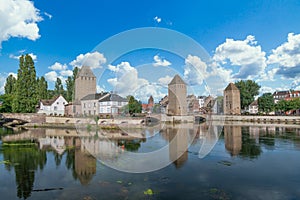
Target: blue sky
[{"x": 256, "y": 40}]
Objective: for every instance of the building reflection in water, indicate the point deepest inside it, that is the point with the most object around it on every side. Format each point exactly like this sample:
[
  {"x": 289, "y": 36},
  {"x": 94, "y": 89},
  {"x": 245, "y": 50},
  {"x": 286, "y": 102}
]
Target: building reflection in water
[{"x": 233, "y": 139}]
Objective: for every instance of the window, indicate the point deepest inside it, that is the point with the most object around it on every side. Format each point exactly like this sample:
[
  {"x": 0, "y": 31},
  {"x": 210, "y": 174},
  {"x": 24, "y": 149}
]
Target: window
[
  {"x": 94, "y": 104},
  {"x": 55, "y": 107},
  {"x": 57, "y": 103},
  {"x": 84, "y": 105}
]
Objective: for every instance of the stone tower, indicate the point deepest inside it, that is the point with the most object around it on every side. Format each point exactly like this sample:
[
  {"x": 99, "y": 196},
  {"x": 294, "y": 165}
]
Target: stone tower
[
  {"x": 85, "y": 83},
  {"x": 232, "y": 102},
  {"x": 177, "y": 97}
]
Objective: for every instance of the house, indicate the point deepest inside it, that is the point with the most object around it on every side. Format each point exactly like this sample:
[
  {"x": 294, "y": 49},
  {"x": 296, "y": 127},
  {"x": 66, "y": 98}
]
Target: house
[
  {"x": 55, "y": 106},
  {"x": 253, "y": 107},
  {"x": 111, "y": 104},
  {"x": 232, "y": 102},
  {"x": 201, "y": 100},
  {"x": 148, "y": 108},
  {"x": 192, "y": 104},
  {"x": 163, "y": 103},
  {"x": 90, "y": 103}
]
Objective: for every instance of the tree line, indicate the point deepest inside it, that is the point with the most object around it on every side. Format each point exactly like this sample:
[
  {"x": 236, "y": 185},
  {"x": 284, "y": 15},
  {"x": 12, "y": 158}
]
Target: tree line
[{"x": 23, "y": 93}]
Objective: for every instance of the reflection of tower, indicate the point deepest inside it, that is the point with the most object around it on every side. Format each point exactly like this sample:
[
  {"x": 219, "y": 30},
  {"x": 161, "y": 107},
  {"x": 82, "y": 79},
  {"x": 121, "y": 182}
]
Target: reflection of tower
[
  {"x": 233, "y": 139},
  {"x": 85, "y": 164},
  {"x": 85, "y": 83},
  {"x": 178, "y": 145},
  {"x": 177, "y": 97}
]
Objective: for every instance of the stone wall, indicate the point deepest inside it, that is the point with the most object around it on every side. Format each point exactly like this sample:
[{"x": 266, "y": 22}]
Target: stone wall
[{"x": 29, "y": 117}]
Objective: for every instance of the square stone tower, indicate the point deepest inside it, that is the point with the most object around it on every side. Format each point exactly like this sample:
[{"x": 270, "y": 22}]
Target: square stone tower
[
  {"x": 232, "y": 101},
  {"x": 85, "y": 83},
  {"x": 177, "y": 97}
]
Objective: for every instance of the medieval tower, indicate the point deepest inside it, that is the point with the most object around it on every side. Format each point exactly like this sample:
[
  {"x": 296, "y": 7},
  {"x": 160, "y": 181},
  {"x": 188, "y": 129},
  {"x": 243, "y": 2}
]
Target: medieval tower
[
  {"x": 85, "y": 83},
  {"x": 232, "y": 102},
  {"x": 177, "y": 97}
]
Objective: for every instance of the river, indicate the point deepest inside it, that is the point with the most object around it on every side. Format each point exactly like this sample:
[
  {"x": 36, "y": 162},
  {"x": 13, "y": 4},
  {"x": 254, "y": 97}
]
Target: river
[{"x": 185, "y": 162}]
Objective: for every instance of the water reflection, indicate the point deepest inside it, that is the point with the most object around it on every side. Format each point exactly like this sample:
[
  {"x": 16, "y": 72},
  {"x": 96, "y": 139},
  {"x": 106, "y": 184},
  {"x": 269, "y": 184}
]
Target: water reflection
[{"x": 26, "y": 152}]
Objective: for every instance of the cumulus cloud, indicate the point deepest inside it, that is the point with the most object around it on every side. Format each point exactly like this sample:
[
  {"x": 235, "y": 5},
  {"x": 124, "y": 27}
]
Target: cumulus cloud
[
  {"x": 195, "y": 70},
  {"x": 33, "y": 56},
  {"x": 58, "y": 66},
  {"x": 100, "y": 88},
  {"x": 48, "y": 15},
  {"x": 18, "y": 18},
  {"x": 145, "y": 91},
  {"x": 127, "y": 81},
  {"x": 287, "y": 57},
  {"x": 243, "y": 53},
  {"x": 93, "y": 60},
  {"x": 160, "y": 62},
  {"x": 157, "y": 19},
  {"x": 165, "y": 80},
  {"x": 66, "y": 73},
  {"x": 51, "y": 76}
]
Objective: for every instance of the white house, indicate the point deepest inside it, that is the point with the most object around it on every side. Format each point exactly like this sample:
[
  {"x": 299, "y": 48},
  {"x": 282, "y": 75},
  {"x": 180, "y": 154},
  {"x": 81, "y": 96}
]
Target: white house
[
  {"x": 253, "y": 107},
  {"x": 111, "y": 104},
  {"x": 90, "y": 103},
  {"x": 55, "y": 106}
]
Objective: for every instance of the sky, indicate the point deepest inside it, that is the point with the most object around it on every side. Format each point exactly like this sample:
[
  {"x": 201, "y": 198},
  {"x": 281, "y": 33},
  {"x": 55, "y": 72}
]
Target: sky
[{"x": 136, "y": 47}]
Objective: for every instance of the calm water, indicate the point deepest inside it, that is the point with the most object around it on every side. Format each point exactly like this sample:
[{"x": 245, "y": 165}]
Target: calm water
[{"x": 242, "y": 162}]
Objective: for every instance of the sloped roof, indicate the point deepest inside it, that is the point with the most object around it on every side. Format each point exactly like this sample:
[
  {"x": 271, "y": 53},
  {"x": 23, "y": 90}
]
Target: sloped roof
[
  {"x": 49, "y": 102},
  {"x": 231, "y": 86},
  {"x": 254, "y": 103},
  {"x": 86, "y": 71},
  {"x": 113, "y": 97},
  {"x": 94, "y": 96},
  {"x": 176, "y": 80}
]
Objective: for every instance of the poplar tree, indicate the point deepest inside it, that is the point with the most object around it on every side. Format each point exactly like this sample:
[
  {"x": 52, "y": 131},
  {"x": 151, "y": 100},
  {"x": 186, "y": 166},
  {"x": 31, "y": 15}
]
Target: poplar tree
[
  {"x": 70, "y": 85},
  {"x": 42, "y": 88},
  {"x": 25, "y": 96},
  {"x": 59, "y": 89},
  {"x": 10, "y": 84}
]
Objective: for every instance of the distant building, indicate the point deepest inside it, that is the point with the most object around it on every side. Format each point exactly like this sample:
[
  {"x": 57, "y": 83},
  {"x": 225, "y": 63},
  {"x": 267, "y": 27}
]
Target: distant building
[
  {"x": 163, "y": 103},
  {"x": 201, "y": 101},
  {"x": 285, "y": 95},
  {"x": 192, "y": 104},
  {"x": 111, "y": 104},
  {"x": 55, "y": 106},
  {"x": 232, "y": 102},
  {"x": 177, "y": 97},
  {"x": 90, "y": 103},
  {"x": 253, "y": 107},
  {"x": 148, "y": 108}
]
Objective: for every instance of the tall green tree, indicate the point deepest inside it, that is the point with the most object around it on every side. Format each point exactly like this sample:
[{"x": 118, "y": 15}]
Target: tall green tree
[
  {"x": 70, "y": 85},
  {"x": 42, "y": 88},
  {"x": 25, "y": 95},
  {"x": 248, "y": 90},
  {"x": 266, "y": 103},
  {"x": 59, "y": 88},
  {"x": 6, "y": 106},
  {"x": 133, "y": 106},
  {"x": 10, "y": 84}
]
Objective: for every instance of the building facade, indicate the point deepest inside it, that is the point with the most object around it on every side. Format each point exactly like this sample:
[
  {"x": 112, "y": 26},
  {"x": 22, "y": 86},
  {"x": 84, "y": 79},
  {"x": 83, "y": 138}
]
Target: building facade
[
  {"x": 177, "y": 92},
  {"x": 90, "y": 103},
  {"x": 85, "y": 83},
  {"x": 55, "y": 106},
  {"x": 111, "y": 104},
  {"x": 232, "y": 102},
  {"x": 253, "y": 107}
]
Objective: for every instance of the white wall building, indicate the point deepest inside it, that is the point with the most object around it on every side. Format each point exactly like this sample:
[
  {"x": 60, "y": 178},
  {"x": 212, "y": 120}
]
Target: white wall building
[
  {"x": 253, "y": 107},
  {"x": 201, "y": 100},
  {"x": 55, "y": 106},
  {"x": 90, "y": 103},
  {"x": 111, "y": 104}
]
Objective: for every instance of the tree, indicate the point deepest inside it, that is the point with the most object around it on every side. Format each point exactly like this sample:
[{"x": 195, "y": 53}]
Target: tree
[
  {"x": 59, "y": 89},
  {"x": 6, "y": 100},
  {"x": 266, "y": 103},
  {"x": 9, "y": 87},
  {"x": 25, "y": 95},
  {"x": 134, "y": 106},
  {"x": 42, "y": 88},
  {"x": 70, "y": 84},
  {"x": 248, "y": 89}
]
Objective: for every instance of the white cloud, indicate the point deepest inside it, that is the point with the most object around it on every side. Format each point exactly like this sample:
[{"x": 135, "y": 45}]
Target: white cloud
[
  {"x": 160, "y": 62},
  {"x": 195, "y": 70},
  {"x": 51, "y": 76},
  {"x": 48, "y": 15},
  {"x": 13, "y": 74},
  {"x": 127, "y": 81},
  {"x": 145, "y": 91},
  {"x": 93, "y": 60},
  {"x": 243, "y": 53},
  {"x": 287, "y": 54},
  {"x": 157, "y": 19},
  {"x": 18, "y": 19},
  {"x": 165, "y": 80},
  {"x": 33, "y": 56},
  {"x": 58, "y": 66},
  {"x": 66, "y": 72},
  {"x": 100, "y": 88}
]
